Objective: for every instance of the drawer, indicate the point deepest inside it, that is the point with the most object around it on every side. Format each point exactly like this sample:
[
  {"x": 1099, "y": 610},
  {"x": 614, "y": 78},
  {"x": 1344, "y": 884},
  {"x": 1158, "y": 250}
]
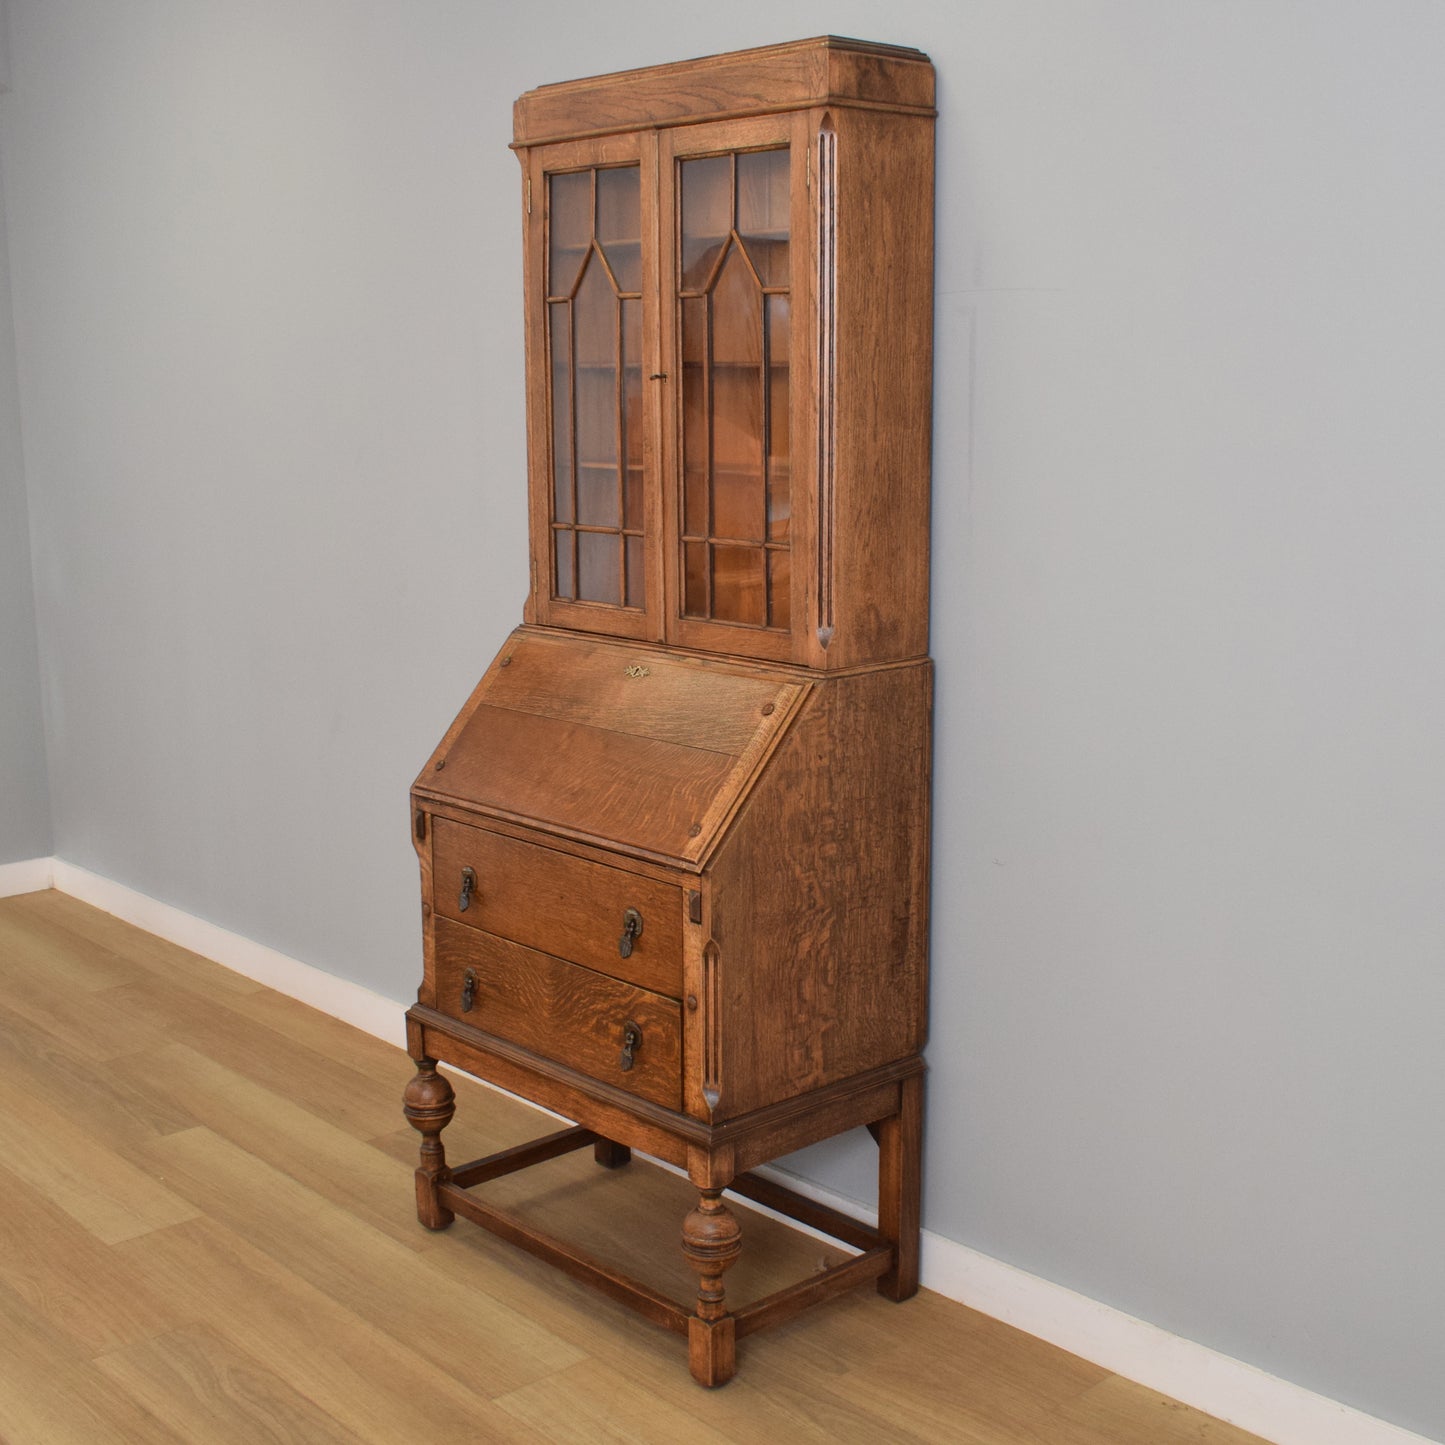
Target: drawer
[
  {"x": 560, "y": 905},
  {"x": 573, "y": 1015}
]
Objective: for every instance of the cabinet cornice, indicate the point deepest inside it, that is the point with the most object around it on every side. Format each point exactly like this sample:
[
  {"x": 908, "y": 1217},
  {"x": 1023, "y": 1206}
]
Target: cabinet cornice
[{"x": 827, "y": 70}]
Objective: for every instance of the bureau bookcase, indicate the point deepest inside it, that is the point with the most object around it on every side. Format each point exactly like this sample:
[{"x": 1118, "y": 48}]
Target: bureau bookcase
[{"x": 674, "y": 849}]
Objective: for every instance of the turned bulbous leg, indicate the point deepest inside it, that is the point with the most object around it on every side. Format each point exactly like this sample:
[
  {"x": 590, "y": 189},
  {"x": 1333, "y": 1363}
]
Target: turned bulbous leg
[
  {"x": 711, "y": 1243},
  {"x": 429, "y": 1104}
]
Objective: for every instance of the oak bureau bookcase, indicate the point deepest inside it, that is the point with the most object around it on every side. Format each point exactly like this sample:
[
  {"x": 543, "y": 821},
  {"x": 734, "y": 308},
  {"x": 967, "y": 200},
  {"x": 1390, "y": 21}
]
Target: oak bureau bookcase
[{"x": 674, "y": 849}]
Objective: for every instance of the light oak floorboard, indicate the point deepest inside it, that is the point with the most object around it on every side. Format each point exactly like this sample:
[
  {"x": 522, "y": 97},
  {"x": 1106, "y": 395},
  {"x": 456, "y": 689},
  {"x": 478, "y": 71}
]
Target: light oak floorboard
[
  {"x": 76, "y": 1170},
  {"x": 207, "y": 1232},
  {"x": 49, "y": 1392},
  {"x": 274, "y": 1129},
  {"x": 487, "y": 1345},
  {"x": 66, "y": 1277},
  {"x": 209, "y": 1390}
]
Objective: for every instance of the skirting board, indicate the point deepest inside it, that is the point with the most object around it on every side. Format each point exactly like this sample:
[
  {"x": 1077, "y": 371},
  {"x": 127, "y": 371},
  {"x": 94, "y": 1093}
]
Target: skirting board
[
  {"x": 29, "y": 876},
  {"x": 368, "y": 1011},
  {"x": 1226, "y": 1388}
]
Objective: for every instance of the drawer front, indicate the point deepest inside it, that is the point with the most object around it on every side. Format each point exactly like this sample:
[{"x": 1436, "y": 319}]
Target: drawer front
[
  {"x": 563, "y": 1012},
  {"x": 561, "y": 905}
]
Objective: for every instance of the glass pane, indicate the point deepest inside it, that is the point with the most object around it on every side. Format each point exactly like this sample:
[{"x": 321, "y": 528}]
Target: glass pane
[
  {"x": 632, "y": 412},
  {"x": 594, "y": 314},
  {"x": 569, "y": 220},
  {"x": 599, "y": 564},
  {"x": 632, "y": 499},
  {"x": 763, "y": 205},
  {"x": 597, "y": 496},
  {"x": 694, "y": 330},
  {"x": 597, "y": 476},
  {"x": 737, "y": 512},
  {"x": 635, "y": 575},
  {"x": 594, "y": 247},
  {"x": 619, "y": 224},
  {"x": 738, "y": 498},
  {"x": 707, "y": 216},
  {"x": 780, "y": 574},
  {"x": 737, "y": 585},
  {"x": 779, "y": 419},
  {"x": 737, "y": 316},
  {"x": 737, "y": 425},
  {"x": 596, "y": 320},
  {"x": 562, "y": 553},
  {"x": 559, "y": 326},
  {"x": 736, "y": 393},
  {"x": 694, "y": 417},
  {"x": 694, "y": 587}
]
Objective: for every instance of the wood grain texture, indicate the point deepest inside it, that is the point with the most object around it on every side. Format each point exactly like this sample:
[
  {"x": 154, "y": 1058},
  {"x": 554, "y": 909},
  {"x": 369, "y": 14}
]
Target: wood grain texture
[
  {"x": 589, "y": 755},
  {"x": 748, "y": 82},
  {"x": 49, "y": 1393},
  {"x": 860, "y": 280},
  {"x": 562, "y": 1011},
  {"x": 541, "y": 606},
  {"x": 900, "y": 1189},
  {"x": 569, "y": 1258},
  {"x": 734, "y": 1144},
  {"x": 634, "y": 792},
  {"x": 883, "y": 407},
  {"x": 537, "y": 362},
  {"x": 497, "y": 1349},
  {"x": 796, "y": 811},
  {"x": 818, "y": 896},
  {"x": 107, "y": 1196},
  {"x": 695, "y": 702},
  {"x": 587, "y": 1403},
  {"x": 663, "y": 871},
  {"x": 327, "y": 1154},
  {"x": 207, "y": 1388},
  {"x": 602, "y": 1107},
  {"x": 376, "y": 1386},
  {"x": 69, "y": 1279},
  {"x": 287, "y": 1310},
  {"x": 676, "y": 146},
  {"x": 561, "y": 905}
]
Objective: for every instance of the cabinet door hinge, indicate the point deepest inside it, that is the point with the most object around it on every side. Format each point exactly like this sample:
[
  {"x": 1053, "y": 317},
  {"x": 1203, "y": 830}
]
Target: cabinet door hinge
[{"x": 529, "y": 195}]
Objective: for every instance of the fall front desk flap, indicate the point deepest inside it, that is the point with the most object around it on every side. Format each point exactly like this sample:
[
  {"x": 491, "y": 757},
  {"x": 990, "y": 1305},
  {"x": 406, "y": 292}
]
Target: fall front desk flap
[{"x": 638, "y": 750}]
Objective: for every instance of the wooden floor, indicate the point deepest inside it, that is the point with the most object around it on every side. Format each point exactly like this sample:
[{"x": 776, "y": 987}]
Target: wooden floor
[{"x": 207, "y": 1235}]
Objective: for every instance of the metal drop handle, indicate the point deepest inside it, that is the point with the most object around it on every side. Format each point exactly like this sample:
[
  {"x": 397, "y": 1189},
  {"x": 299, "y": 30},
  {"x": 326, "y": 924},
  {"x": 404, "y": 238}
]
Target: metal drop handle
[
  {"x": 469, "y": 886},
  {"x": 631, "y": 1042},
  {"x": 631, "y": 929}
]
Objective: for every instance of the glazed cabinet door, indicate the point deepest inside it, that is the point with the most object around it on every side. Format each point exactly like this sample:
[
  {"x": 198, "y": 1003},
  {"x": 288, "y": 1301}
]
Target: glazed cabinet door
[
  {"x": 738, "y": 335},
  {"x": 591, "y": 285}
]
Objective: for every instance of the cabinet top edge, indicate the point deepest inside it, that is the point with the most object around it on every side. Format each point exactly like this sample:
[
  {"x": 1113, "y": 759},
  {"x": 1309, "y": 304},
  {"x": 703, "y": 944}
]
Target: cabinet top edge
[{"x": 824, "y": 70}]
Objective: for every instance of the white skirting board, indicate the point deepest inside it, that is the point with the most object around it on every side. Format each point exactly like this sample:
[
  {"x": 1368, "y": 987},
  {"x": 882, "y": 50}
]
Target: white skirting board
[
  {"x": 368, "y": 1011},
  {"x": 1215, "y": 1383},
  {"x": 28, "y": 877}
]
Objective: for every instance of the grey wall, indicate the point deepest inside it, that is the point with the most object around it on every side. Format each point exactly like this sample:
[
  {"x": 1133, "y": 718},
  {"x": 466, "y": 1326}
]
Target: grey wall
[
  {"x": 24, "y": 799},
  {"x": 1188, "y": 536}
]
